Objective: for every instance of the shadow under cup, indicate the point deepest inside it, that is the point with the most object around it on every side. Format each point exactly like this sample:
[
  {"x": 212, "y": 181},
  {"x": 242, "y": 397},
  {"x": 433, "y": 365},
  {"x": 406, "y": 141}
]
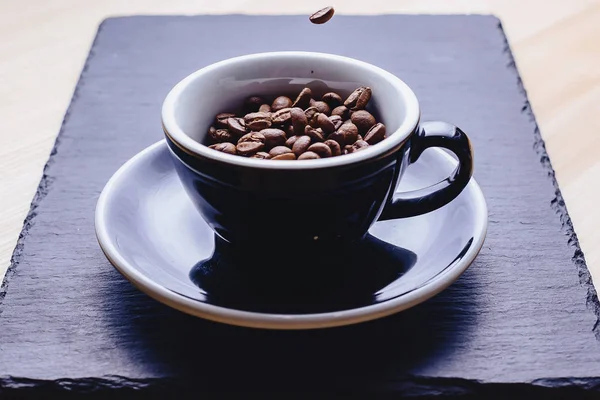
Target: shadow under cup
[{"x": 279, "y": 203}]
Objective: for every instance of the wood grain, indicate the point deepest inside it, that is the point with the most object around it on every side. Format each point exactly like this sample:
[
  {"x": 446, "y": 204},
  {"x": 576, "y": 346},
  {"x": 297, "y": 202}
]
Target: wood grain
[
  {"x": 43, "y": 47},
  {"x": 515, "y": 324}
]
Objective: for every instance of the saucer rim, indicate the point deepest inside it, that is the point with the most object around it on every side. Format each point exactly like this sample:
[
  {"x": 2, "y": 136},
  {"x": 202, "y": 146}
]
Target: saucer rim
[{"x": 253, "y": 319}]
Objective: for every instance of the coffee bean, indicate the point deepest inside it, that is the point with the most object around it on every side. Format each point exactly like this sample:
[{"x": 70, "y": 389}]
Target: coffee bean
[
  {"x": 281, "y": 117},
  {"x": 322, "y": 107},
  {"x": 253, "y": 137},
  {"x": 358, "y": 145},
  {"x": 303, "y": 98},
  {"x": 289, "y": 130},
  {"x": 273, "y": 137},
  {"x": 311, "y": 102},
  {"x": 341, "y": 111},
  {"x": 322, "y": 16},
  {"x": 349, "y": 131},
  {"x": 325, "y": 124},
  {"x": 291, "y": 140},
  {"x": 299, "y": 120},
  {"x": 332, "y": 99},
  {"x": 336, "y": 150},
  {"x": 337, "y": 121},
  {"x": 376, "y": 134},
  {"x": 264, "y": 108},
  {"x": 359, "y": 98},
  {"x": 301, "y": 144},
  {"x": 363, "y": 120},
  {"x": 257, "y": 121},
  {"x": 311, "y": 113},
  {"x": 253, "y": 103},
  {"x": 286, "y": 156},
  {"x": 315, "y": 134},
  {"x": 226, "y": 147},
  {"x": 236, "y": 126},
  {"x": 309, "y": 155},
  {"x": 221, "y": 135},
  {"x": 249, "y": 148},
  {"x": 279, "y": 150},
  {"x": 337, "y": 137},
  {"x": 321, "y": 149},
  {"x": 221, "y": 119},
  {"x": 261, "y": 155},
  {"x": 280, "y": 103}
]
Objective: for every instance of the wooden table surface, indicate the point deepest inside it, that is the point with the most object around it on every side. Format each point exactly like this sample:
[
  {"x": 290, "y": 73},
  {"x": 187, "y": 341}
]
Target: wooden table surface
[{"x": 43, "y": 46}]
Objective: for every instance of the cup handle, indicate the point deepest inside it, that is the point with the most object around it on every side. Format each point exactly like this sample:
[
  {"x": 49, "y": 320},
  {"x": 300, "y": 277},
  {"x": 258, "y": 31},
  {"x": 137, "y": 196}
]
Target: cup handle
[{"x": 421, "y": 201}]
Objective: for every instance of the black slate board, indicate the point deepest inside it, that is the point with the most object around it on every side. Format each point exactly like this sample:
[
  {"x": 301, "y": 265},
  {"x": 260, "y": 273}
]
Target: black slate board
[{"x": 515, "y": 324}]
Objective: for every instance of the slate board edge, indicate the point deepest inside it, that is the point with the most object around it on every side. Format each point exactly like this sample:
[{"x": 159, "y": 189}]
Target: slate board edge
[{"x": 409, "y": 385}]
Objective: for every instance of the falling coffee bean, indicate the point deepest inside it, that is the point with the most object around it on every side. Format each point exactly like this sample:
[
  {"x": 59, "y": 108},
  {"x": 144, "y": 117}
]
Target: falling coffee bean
[
  {"x": 299, "y": 120},
  {"x": 257, "y": 121},
  {"x": 303, "y": 98},
  {"x": 280, "y": 103},
  {"x": 325, "y": 124},
  {"x": 222, "y": 118},
  {"x": 363, "y": 120},
  {"x": 281, "y": 117},
  {"x": 332, "y": 99},
  {"x": 228, "y": 148},
  {"x": 301, "y": 145},
  {"x": 273, "y": 137},
  {"x": 376, "y": 134},
  {"x": 321, "y": 149},
  {"x": 359, "y": 98},
  {"x": 322, "y": 16}
]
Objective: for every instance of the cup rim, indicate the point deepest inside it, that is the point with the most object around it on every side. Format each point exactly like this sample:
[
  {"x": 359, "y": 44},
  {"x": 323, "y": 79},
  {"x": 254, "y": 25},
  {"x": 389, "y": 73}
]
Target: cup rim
[{"x": 174, "y": 132}]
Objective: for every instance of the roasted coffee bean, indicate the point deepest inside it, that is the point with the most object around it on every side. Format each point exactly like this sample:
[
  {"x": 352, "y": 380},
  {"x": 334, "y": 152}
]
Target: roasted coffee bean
[
  {"x": 315, "y": 134},
  {"x": 311, "y": 114},
  {"x": 279, "y": 150},
  {"x": 303, "y": 98},
  {"x": 336, "y": 150},
  {"x": 336, "y": 120},
  {"x": 322, "y": 107},
  {"x": 359, "y": 98},
  {"x": 220, "y": 135},
  {"x": 363, "y": 120},
  {"x": 280, "y": 103},
  {"x": 226, "y": 147},
  {"x": 332, "y": 99},
  {"x": 322, "y": 16},
  {"x": 321, "y": 149},
  {"x": 337, "y": 137},
  {"x": 341, "y": 111},
  {"x": 273, "y": 137},
  {"x": 311, "y": 102},
  {"x": 286, "y": 156},
  {"x": 376, "y": 134},
  {"x": 253, "y": 103},
  {"x": 221, "y": 119},
  {"x": 309, "y": 155},
  {"x": 291, "y": 140},
  {"x": 325, "y": 124},
  {"x": 264, "y": 108},
  {"x": 281, "y": 117},
  {"x": 349, "y": 131},
  {"x": 252, "y": 137},
  {"x": 262, "y": 155},
  {"x": 236, "y": 126},
  {"x": 358, "y": 145},
  {"x": 250, "y": 146},
  {"x": 301, "y": 144},
  {"x": 257, "y": 121},
  {"x": 299, "y": 120}
]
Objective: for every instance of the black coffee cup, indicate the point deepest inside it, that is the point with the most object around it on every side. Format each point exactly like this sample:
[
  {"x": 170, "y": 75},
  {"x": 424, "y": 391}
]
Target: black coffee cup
[{"x": 265, "y": 203}]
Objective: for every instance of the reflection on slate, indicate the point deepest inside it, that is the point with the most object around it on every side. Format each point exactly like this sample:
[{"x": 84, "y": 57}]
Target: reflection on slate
[
  {"x": 300, "y": 279},
  {"x": 514, "y": 324}
]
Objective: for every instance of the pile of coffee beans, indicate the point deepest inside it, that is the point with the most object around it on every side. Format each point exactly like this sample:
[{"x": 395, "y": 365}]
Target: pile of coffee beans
[{"x": 300, "y": 129}]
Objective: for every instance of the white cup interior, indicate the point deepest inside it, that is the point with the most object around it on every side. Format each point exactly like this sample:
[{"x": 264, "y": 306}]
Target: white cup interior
[{"x": 190, "y": 108}]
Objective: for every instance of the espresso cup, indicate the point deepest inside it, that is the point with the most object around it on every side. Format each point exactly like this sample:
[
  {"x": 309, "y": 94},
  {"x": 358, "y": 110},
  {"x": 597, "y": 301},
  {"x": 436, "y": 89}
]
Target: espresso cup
[{"x": 331, "y": 200}]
